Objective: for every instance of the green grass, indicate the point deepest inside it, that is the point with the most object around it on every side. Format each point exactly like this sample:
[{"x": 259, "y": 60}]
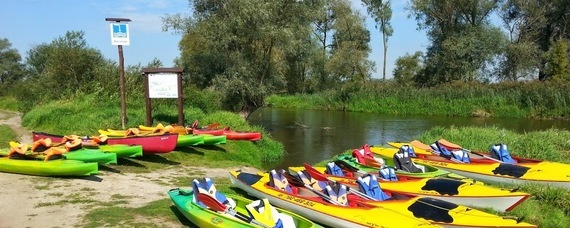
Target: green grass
[
  {"x": 9, "y": 103},
  {"x": 7, "y": 135},
  {"x": 154, "y": 214}
]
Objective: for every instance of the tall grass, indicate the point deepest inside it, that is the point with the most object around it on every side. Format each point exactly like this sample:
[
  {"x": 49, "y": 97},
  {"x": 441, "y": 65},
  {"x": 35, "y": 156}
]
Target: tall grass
[
  {"x": 512, "y": 100},
  {"x": 6, "y": 135},
  {"x": 9, "y": 103}
]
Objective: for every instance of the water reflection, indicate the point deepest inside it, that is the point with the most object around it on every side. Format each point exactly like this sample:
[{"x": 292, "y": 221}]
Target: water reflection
[{"x": 312, "y": 136}]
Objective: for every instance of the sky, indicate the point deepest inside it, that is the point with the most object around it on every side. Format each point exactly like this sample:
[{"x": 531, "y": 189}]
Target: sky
[{"x": 27, "y": 23}]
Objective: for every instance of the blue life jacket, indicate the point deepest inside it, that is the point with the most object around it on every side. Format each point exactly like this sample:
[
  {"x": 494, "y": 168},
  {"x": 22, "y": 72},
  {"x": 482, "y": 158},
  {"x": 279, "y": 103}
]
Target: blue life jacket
[
  {"x": 333, "y": 169},
  {"x": 368, "y": 184},
  {"x": 279, "y": 181},
  {"x": 388, "y": 173},
  {"x": 460, "y": 155},
  {"x": 206, "y": 186},
  {"x": 338, "y": 193},
  {"x": 500, "y": 152},
  {"x": 409, "y": 150}
]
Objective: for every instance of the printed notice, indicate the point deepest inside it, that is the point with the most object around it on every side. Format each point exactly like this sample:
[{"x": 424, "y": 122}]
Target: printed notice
[
  {"x": 119, "y": 34},
  {"x": 164, "y": 85}
]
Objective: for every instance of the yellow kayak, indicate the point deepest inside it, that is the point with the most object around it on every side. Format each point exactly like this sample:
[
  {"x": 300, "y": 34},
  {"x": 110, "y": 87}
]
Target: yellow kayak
[
  {"x": 356, "y": 211},
  {"x": 454, "y": 191},
  {"x": 487, "y": 169},
  {"x": 316, "y": 209}
]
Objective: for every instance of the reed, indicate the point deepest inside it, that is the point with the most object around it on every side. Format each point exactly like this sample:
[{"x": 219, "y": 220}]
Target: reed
[{"x": 511, "y": 100}]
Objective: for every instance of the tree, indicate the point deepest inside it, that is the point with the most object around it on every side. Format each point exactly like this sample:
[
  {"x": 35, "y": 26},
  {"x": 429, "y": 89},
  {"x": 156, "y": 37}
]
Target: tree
[
  {"x": 11, "y": 70},
  {"x": 381, "y": 11},
  {"x": 407, "y": 68},
  {"x": 558, "y": 60},
  {"x": 66, "y": 66},
  {"x": 462, "y": 38}
]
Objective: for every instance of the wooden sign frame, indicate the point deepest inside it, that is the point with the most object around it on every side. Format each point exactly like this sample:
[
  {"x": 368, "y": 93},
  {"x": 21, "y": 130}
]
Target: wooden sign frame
[{"x": 178, "y": 71}]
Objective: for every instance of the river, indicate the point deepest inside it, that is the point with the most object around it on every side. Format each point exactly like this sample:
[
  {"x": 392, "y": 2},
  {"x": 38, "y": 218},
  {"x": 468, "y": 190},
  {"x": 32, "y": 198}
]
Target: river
[{"x": 310, "y": 136}]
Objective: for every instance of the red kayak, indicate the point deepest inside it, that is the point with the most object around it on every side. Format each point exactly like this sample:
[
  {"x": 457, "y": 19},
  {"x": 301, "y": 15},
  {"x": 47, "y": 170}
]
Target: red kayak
[
  {"x": 230, "y": 134},
  {"x": 241, "y": 135},
  {"x": 150, "y": 144}
]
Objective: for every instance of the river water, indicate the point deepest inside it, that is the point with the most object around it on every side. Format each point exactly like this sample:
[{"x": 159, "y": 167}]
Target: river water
[{"x": 310, "y": 136}]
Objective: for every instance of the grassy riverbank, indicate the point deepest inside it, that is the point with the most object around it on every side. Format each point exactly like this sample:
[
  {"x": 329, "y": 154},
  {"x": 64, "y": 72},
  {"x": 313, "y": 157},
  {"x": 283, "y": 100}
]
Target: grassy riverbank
[{"x": 511, "y": 100}]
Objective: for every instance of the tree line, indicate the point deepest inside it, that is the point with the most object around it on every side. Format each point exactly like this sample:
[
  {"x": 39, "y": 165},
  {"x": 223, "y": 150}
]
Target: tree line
[{"x": 249, "y": 49}]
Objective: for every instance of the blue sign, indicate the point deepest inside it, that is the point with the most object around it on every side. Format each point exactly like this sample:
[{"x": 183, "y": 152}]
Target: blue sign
[{"x": 119, "y": 34}]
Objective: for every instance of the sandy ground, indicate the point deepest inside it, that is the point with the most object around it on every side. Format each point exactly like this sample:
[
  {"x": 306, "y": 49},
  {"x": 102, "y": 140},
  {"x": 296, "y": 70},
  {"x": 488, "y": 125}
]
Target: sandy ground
[{"x": 28, "y": 201}]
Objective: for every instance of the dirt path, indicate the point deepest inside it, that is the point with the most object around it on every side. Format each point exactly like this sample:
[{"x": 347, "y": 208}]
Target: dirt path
[{"x": 28, "y": 201}]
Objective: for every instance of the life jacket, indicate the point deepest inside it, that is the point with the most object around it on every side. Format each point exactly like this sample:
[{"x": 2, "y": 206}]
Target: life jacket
[
  {"x": 500, "y": 152},
  {"x": 279, "y": 181},
  {"x": 338, "y": 193},
  {"x": 308, "y": 180},
  {"x": 359, "y": 154},
  {"x": 403, "y": 161},
  {"x": 460, "y": 155},
  {"x": 408, "y": 149},
  {"x": 41, "y": 145},
  {"x": 388, "y": 173},
  {"x": 265, "y": 213},
  {"x": 333, "y": 169},
  {"x": 368, "y": 184},
  {"x": 206, "y": 186}
]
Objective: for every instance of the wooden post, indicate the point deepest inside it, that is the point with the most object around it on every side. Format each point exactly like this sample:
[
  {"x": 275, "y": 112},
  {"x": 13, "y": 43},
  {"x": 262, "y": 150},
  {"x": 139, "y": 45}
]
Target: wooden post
[
  {"x": 147, "y": 101},
  {"x": 122, "y": 87}
]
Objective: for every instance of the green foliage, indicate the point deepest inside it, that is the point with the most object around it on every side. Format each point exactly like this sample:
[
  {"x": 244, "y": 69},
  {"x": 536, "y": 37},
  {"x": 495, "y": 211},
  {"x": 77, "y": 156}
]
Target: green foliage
[
  {"x": 7, "y": 135},
  {"x": 11, "y": 70},
  {"x": 9, "y": 103},
  {"x": 558, "y": 60},
  {"x": 513, "y": 100},
  {"x": 381, "y": 12},
  {"x": 407, "y": 68}
]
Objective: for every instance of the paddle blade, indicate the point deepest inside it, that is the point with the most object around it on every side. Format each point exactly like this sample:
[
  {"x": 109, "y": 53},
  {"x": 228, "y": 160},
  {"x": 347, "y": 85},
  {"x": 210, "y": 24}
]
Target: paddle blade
[
  {"x": 449, "y": 144},
  {"x": 315, "y": 173},
  {"x": 213, "y": 126},
  {"x": 371, "y": 162},
  {"x": 212, "y": 203}
]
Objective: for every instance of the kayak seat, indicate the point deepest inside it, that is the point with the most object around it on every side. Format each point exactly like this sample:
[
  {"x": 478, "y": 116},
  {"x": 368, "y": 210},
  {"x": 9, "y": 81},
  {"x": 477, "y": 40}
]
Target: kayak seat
[
  {"x": 388, "y": 173},
  {"x": 41, "y": 145},
  {"x": 17, "y": 148},
  {"x": 402, "y": 161},
  {"x": 265, "y": 213},
  {"x": 500, "y": 152},
  {"x": 206, "y": 186},
  {"x": 338, "y": 193},
  {"x": 368, "y": 184},
  {"x": 459, "y": 155},
  {"x": 308, "y": 180},
  {"x": 278, "y": 180}
]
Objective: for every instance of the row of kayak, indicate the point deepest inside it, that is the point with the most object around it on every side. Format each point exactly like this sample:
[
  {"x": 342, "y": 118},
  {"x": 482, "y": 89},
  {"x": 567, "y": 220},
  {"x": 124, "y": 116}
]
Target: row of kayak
[{"x": 410, "y": 185}]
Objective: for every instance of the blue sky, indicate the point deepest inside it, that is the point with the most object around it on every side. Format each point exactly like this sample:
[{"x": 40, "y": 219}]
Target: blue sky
[{"x": 27, "y": 23}]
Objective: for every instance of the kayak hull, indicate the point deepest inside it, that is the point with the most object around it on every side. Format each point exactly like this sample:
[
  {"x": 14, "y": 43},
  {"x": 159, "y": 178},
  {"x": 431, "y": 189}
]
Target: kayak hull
[
  {"x": 83, "y": 154},
  {"x": 150, "y": 144},
  {"x": 202, "y": 217},
  {"x": 189, "y": 140},
  {"x": 59, "y": 167},
  {"x": 123, "y": 151},
  {"x": 490, "y": 171}
]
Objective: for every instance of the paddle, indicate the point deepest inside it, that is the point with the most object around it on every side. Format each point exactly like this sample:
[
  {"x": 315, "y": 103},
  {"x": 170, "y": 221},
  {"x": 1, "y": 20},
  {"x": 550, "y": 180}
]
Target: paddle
[
  {"x": 213, "y": 126},
  {"x": 300, "y": 182},
  {"x": 453, "y": 145},
  {"x": 323, "y": 177},
  {"x": 344, "y": 165},
  {"x": 219, "y": 207}
]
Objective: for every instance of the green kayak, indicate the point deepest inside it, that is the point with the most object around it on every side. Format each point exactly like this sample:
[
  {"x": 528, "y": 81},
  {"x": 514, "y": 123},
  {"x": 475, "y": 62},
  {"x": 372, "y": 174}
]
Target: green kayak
[
  {"x": 83, "y": 154},
  {"x": 430, "y": 171},
  {"x": 214, "y": 139},
  {"x": 123, "y": 150},
  {"x": 59, "y": 167},
  {"x": 189, "y": 140},
  {"x": 203, "y": 217}
]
